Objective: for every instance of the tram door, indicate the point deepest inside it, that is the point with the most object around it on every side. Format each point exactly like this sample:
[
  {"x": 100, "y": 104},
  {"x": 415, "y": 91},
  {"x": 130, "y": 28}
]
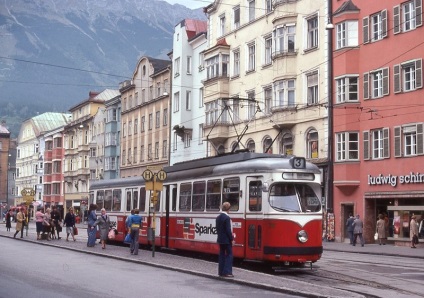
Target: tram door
[
  {"x": 253, "y": 218},
  {"x": 170, "y": 199}
]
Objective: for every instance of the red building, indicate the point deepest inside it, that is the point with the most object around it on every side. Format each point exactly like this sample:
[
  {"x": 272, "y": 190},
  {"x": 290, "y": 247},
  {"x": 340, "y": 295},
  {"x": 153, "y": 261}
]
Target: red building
[{"x": 378, "y": 114}]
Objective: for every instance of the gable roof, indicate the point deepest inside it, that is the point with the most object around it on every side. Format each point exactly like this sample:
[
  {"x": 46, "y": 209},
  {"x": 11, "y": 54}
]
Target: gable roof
[{"x": 347, "y": 6}]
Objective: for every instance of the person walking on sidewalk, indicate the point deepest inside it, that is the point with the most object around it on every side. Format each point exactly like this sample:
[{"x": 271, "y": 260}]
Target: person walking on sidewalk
[
  {"x": 39, "y": 218},
  {"x": 69, "y": 223},
  {"x": 92, "y": 217},
  {"x": 134, "y": 226},
  {"x": 358, "y": 227},
  {"x": 104, "y": 224},
  {"x": 56, "y": 219},
  {"x": 381, "y": 229},
  {"x": 8, "y": 220},
  {"x": 225, "y": 240},
  {"x": 20, "y": 217},
  {"x": 349, "y": 227},
  {"x": 413, "y": 231}
]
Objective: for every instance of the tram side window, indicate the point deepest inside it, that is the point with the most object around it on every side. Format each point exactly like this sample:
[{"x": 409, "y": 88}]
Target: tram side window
[
  {"x": 100, "y": 199},
  {"x": 199, "y": 190},
  {"x": 128, "y": 200},
  {"x": 142, "y": 199},
  {"x": 135, "y": 198},
  {"x": 108, "y": 200},
  {"x": 255, "y": 196},
  {"x": 116, "y": 200},
  {"x": 157, "y": 205},
  {"x": 308, "y": 199},
  {"x": 213, "y": 195},
  {"x": 185, "y": 196},
  {"x": 231, "y": 192}
]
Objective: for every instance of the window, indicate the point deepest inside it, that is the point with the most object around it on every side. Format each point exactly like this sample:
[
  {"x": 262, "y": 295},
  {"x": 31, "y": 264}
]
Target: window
[
  {"x": 312, "y": 88},
  {"x": 165, "y": 86},
  {"x": 312, "y": 34},
  {"x": 143, "y": 96},
  {"x": 124, "y": 156},
  {"x": 130, "y": 128},
  {"x": 251, "y": 10},
  {"x": 165, "y": 117},
  {"x": 267, "y": 145},
  {"x": 347, "y": 146},
  {"x": 231, "y": 192},
  {"x": 185, "y": 196},
  {"x": 135, "y": 126},
  {"x": 151, "y": 92},
  {"x": 224, "y": 65},
  {"x": 157, "y": 150},
  {"x": 287, "y": 144},
  {"x": 407, "y": 16},
  {"x": 268, "y": 6},
  {"x": 200, "y": 97},
  {"x": 375, "y": 26},
  {"x": 408, "y": 76},
  {"x": 378, "y": 82},
  {"x": 157, "y": 119},
  {"x": 312, "y": 143},
  {"x": 221, "y": 25},
  {"x": 251, "y": 146},
  {"x": 251, "y": 57},
  {"x": 284, "y": 93},
  {"x": 165, "y": 149},
  {"x": 284, "y": 39},
  {"x": 176, "y": 101},
  {"x": 201, "y": 134},
  {"x": 158, "y": 93},
  {"x": 213, "y": 195},
  {"x": 380, "y": 143},
  {"x": 134, "y": 155},
  {"x": 188, "y": 100},
  {"x": 124, "y": 130},
  {"x": 268, "y": 50},
  {"x": 150, "y": 121},
  {"x": 251, "y": 111},
  {"x": 409, "y": 140},
  {"x": 236, "y": 63},
  {"x": 212, "y": 110},
  {"x": 267, "y": 99},
  {"x": 347, "y": 34},
  {"x": 149, "y": 152},
  {"x": 189, "y": 65},
  {"x": 212, "y": 67},
  {"x": 187, "y": 139},
  {"x": 347, "y": 89},
  {"x": 177, "y": 67},
  {"x": 143, "y": 122},
  {"x": 199, "y": 194},
  {"x": 236, "y": 19},
  {"x": 142, "y": 153}
]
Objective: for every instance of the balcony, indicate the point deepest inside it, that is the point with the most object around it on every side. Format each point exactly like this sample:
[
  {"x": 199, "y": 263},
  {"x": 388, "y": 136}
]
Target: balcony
[
  {"x": 215, "y": 88},
  {"x": 219, "y": 133}
]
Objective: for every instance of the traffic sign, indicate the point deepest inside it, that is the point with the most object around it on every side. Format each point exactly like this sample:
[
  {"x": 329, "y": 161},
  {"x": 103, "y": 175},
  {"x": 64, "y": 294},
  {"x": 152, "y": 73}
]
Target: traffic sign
[
  {"x": 161, "y": 175},
  {"x": 148, "y": 175}
]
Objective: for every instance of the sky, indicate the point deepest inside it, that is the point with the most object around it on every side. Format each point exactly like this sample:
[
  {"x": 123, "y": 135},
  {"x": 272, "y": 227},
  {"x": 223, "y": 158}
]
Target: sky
[{"x": 192, "y": 4}]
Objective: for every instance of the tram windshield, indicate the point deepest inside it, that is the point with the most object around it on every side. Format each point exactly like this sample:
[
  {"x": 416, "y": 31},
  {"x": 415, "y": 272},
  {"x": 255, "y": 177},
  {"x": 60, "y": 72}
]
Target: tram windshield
[{"x": 289, "y": 197}]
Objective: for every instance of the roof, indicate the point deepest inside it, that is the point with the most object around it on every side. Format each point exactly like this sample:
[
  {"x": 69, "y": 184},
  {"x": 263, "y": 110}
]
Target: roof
[
  {"x": 49, "y": 121},
  {"x": 194, "y": 27},
  {"x": 345, "y": 7},
  {"x": 159, "y": 64},
  {"x": 107, "y": 94},
  {"x": 4, "y": 130}
]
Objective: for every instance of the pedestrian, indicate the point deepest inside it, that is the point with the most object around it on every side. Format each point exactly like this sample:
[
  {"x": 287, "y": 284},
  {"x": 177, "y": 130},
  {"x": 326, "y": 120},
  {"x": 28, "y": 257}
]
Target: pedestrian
[
  {"x": 56, "y": 220},
  {"x": 413, "y": 231},
  {"x": 91, "y": 231},
  {"x": 47, "y": 224},
  {"x": 134, "y": 226},
  {"x": 26, "y": 221},
  {"x": 69, "y": 222},
  {"x": 104, "y": 224},
  {"x": 128, "y": 218},
  {"x": 39, "y": 218},
  {"x": 381, "y": 229},
  {"x": 349, "y": 227},
  {"x": 8, "y": 220},
  {"x": 20, "y": 217},
  {"x": 225, "y": 240},
  {"x": 358, "y": 227}
]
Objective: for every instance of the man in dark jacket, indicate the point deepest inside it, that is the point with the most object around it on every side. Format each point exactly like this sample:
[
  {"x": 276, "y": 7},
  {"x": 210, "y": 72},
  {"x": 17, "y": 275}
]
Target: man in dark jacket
[
  {"x": 349, "y": 227},
  {"x": 56, "y": 219},
  {"x": 226, "y": 241}
]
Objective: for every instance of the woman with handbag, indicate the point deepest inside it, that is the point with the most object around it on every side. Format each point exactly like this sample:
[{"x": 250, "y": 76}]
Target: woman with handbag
[
  {"x": 69, "y": 223},
  {"x": 47, "y": 224},
  {"x": 91, "y": 231},
  {"x": 104, "y": 223}
]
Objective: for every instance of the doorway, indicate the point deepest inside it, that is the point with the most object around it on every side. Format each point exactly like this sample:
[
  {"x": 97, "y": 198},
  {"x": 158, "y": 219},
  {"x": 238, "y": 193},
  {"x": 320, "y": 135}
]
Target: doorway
[{"x": 347, "y": 209}]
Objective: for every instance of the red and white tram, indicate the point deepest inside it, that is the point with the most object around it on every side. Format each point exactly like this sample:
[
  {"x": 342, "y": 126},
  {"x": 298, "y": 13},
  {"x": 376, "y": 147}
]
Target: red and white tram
[{"x": 275, "y": 206}]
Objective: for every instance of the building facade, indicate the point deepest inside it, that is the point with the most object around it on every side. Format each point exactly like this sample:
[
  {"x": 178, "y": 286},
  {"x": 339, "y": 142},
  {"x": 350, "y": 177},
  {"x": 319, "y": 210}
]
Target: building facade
[
  {"x": 112, "y": 138},
  {"x": 145, "y": 117},
  {"x": 4, "y": 166},
  {"x": 187, "y": 115},
  {"x": 378, "y": 123}
]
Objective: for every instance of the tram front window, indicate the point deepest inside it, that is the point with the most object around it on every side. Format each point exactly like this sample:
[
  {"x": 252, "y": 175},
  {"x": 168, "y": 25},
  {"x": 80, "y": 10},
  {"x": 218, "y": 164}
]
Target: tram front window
[{"x": 293, "y": 198}]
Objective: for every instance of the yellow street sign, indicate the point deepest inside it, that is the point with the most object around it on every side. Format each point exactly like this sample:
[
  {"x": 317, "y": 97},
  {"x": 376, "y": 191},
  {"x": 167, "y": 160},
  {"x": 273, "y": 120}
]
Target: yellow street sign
[
  {"x": 148, "y": 175},
  {"x": 158, "y": 185},
  {"x": 149, "y": 185},
  {"x": 161, "y": 175}
]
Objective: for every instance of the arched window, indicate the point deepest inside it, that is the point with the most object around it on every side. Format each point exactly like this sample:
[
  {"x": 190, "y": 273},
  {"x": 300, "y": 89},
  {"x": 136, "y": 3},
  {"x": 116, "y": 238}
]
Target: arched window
[
  {"x": 251, "y": 146},
  {"x": 267, "y": 148},
  {"x": 286, "y": 147},
  {"x": 312, "y": 143},
  {"x": 221, "y": 149},
  {"x": 144, "y": 70}
]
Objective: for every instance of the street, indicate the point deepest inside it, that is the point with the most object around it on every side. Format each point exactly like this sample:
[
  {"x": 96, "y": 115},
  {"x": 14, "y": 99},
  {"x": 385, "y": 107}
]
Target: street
[{"x": 32, "y": 270}]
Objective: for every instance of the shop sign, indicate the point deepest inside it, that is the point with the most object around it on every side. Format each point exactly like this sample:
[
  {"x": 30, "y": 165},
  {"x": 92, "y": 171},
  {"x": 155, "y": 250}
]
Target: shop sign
[{"x": 393, "y": 180}]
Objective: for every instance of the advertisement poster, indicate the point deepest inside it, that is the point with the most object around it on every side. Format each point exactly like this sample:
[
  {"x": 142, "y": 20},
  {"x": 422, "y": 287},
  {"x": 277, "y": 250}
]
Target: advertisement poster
[{"x": 396, "y": 224}]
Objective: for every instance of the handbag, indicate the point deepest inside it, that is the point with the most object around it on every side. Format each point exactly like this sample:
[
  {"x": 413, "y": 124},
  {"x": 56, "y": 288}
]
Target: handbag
[
  {"x": 46, "y": 223},
  {"x": 75, "y": 231},
  {"x": 376, "y": 236},
  {"x": 128, "y": 239},
  {"x": 111, "y": 234},
  {"x": 415, "y": 239}
]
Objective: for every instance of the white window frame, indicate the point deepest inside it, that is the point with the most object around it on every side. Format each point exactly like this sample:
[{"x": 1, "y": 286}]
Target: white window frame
[
  {"x": 312, "y": 34},
  {"x": 189, "y": 65},
  {"x": 176, "y": 102},
  {"x": 188, "y": 100},
  {"x": 177, "y": 67},
  {"x": 221, "y": 25},
  {"x": 347, "y": 34},
  {"x": 347, "y": 88},
  {"x": 251, "y": 57},
  {"x": 251, "y": 9},
  {"x": 267, "y": 49},
  {"x": 345, "y": 146},
  {"x": 312, "y": 91},
  {"x": 284, "y": 93},
  {"x": 236, "y": 63},
  {"x": 236, "y": 17}
]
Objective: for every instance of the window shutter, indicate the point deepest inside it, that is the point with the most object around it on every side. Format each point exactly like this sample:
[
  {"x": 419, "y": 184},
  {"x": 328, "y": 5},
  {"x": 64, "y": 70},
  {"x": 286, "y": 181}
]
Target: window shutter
[
  {"x": 365, "y": 28},
  {"x": 386, "y": 81},
  {"x": 366, "y": 135},
  {"x": 396, "y": 79},
  {"x": 396, "y": 19},
  {"x": 398, "y": 143},
  {"x": 384, "y": 23},
  {"x": 418, "y": 13},
  {"x": 366, "y": 85},
  {"x": 419, "y": 73},
  {"x": 386, "y": 143},
  {"x": 420, "y": 139}
]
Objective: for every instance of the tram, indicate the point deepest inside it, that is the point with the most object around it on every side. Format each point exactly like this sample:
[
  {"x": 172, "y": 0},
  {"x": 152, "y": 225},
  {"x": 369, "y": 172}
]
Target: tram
[{"x": 275, "y": 206}]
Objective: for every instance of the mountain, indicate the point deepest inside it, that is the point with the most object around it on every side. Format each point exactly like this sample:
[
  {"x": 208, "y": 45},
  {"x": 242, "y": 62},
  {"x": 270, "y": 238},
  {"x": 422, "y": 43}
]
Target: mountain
[{"x": 53, "y": 52}]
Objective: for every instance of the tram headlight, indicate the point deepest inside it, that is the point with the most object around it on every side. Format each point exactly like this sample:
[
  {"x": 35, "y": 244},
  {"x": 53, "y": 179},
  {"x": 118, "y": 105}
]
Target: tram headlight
[{"x": 302, "y": 236}]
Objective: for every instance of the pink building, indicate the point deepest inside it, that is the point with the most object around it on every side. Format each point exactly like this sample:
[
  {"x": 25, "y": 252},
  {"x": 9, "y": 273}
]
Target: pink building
[{"x": 378, "y": 114}]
